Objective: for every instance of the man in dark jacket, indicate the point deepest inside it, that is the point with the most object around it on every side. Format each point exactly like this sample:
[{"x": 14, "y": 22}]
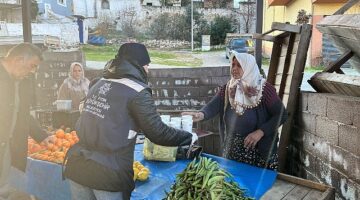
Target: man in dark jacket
[
  {"x": 15, "y": 119},
  {"x": 117, "y": 107}
]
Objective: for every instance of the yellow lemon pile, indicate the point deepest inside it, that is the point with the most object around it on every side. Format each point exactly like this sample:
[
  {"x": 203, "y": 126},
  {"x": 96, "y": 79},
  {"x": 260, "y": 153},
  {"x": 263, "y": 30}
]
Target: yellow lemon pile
[{"x": 141, "y": 173}]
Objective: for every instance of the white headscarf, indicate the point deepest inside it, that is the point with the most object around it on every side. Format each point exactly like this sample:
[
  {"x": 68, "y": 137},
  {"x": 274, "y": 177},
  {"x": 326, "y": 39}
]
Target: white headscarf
[
  {"x": 81, "y": 85},
  {"x": 250, "y": 80}
]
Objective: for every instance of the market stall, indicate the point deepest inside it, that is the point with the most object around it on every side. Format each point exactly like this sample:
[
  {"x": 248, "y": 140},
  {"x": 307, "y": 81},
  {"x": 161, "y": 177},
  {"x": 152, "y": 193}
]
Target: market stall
[{"x": 43, "y": 179}]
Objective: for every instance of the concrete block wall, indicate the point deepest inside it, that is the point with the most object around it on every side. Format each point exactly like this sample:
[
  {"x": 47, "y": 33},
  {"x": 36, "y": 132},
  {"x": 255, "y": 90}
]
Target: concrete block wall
[{"x": 327, "y": 141}]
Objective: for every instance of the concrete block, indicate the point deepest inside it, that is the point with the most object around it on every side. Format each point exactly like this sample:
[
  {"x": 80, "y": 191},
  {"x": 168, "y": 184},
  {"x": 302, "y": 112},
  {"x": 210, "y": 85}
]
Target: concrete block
[
  {"x": 226, "y": 71},
  {"x": 310, "y": 162},
  {"x": 164, "y": 73},
  {"x": 306, "y": 121},
  {"x": 349, "y": 138},
  {"x": 207, "y": 91},
  {"x": 310, "y": 176},
  {"x": 204, "y": 80},
  {"x": 327, "y": 129},
  {"x": 334, "y": 156},
  {"x": 303, "y": 101},
  {"x": 356, "y": 120},
  {"x": 344, "y": 186},
  {"x": 345, "y": 162},
  {"x": 317, "y": 103},
  {"x": 340, "y": 109},
  {"x": 219, "y": 80},
  {"x": 317, "y": 146}
]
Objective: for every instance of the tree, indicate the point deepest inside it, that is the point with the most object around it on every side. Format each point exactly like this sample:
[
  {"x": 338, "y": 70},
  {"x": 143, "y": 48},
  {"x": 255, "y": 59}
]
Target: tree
[
  {"x": 247, "y": 14},
  {"x": 127, "y": 19},
  {"x": 219, "y": 27},
  {"x": 302, "y": 17},
  {"x": 34, "y": 10},
  {"x": 160, "y": 26}
]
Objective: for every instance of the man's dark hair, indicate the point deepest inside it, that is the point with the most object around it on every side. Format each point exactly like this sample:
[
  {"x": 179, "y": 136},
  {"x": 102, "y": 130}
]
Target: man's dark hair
[{"x": 26, "y": 50}]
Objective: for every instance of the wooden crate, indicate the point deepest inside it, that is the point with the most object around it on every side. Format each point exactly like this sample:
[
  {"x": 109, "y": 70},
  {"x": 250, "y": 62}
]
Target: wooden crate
[{"x": 294, "y": 188}]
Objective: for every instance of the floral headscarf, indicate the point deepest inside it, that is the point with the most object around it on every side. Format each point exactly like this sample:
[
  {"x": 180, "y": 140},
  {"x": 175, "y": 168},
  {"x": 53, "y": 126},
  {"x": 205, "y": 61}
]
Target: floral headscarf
[
  {"x": 81, "y": 85},
  {"x": 246, "y": 92}
]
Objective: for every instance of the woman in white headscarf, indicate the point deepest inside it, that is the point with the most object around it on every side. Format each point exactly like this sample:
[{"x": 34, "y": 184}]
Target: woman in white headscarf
[
  {"x": 250, "y": 113},
  {"x": 75, "y": 87}
]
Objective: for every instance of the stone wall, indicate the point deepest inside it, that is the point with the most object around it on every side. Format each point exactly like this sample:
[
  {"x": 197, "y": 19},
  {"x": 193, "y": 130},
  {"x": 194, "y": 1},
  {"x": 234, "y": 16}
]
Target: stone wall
[{"x": 326, "y": 142}]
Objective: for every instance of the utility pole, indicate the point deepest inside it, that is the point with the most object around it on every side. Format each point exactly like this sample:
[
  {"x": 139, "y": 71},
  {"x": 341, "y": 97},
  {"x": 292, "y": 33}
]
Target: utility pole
[
  {"x": 259, "y": 25},
  {"x": 26, "y": 20},
  {"x": 192, "y": 25}
]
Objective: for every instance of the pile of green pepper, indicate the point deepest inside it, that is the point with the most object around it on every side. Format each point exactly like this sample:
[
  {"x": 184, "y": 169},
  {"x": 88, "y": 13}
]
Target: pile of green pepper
[{"x": 203, "y": 179}]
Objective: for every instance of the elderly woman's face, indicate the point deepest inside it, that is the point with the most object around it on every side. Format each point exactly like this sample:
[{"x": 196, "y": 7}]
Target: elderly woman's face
[
  {"x": 236, "y": 70},
  {"x": 77, "y": 72}
]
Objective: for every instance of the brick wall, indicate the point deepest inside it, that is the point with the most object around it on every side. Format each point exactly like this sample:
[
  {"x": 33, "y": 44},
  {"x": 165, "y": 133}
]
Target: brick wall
[{"x": 326, "y": 142}]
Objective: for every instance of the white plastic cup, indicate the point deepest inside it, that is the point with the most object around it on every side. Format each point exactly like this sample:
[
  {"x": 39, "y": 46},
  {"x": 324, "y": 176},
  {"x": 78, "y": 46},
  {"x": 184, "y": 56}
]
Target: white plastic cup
[
  {"x": 175, "y": 124},
  {"x": 165, "y": 118},
  {"x": 187, "y": 125},
  {"x": 186, "y": 117}
]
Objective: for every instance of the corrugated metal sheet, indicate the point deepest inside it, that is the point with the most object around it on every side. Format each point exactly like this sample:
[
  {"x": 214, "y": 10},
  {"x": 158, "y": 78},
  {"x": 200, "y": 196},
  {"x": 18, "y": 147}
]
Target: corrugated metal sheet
[{"x": 330, "y": 52}]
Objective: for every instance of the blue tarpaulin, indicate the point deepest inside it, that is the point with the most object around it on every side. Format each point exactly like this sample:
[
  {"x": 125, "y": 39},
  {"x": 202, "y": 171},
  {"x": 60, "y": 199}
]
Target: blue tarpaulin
[{"x": 43, "y": 179}]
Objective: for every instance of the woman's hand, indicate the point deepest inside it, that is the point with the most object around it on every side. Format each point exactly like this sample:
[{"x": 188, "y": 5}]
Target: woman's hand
[
  {"x": 253, "y": 138},
  {"x": 197, "y": 116}
]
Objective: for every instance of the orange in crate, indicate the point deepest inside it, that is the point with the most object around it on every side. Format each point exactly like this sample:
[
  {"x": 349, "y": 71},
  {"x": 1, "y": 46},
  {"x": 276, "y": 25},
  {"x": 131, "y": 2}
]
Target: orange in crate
[{"x": 56, "y": 151}]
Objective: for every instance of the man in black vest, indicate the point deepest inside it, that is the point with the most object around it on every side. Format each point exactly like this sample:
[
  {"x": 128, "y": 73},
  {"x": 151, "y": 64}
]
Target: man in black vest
[
  {"x": 116, "y": 108},
  {"x": 15, "y": 119}
]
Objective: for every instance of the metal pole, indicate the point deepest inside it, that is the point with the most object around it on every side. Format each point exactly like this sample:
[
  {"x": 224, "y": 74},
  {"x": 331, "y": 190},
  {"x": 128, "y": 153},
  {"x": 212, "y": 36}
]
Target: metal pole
[
  {"x": 26, "y": 20},
  {"x": 192, "y": 25},
  {"x": 259, "y": 25}
]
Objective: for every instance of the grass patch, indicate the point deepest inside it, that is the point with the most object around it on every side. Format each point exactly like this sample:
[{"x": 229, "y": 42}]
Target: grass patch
[
  {"x": 105, "y": 53},
  {"x": 314, "y": 68}
]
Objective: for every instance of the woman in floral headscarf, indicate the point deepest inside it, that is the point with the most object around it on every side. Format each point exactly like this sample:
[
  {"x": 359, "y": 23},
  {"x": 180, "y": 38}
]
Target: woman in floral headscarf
[
  {"x": 75, "y": 87},
  {"x": 250, "y": 113}
]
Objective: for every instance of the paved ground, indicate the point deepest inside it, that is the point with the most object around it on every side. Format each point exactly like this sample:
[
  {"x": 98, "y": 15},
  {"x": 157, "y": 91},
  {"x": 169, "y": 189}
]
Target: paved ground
[{"x": 216, "y": 59}]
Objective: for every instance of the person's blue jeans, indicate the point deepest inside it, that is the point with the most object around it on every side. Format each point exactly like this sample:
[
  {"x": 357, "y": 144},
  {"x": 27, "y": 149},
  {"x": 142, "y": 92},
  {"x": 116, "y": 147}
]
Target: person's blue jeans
[{"x": 80, "y": 192}]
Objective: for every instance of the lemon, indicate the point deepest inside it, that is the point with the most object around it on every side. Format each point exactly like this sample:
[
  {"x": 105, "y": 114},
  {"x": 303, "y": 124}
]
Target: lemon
[
  {"x": 143, "y": 175},
  {"x": 136, "y": 163},
  {"x": 145, "y": 169},
  {"x": 136, "y": 172}
]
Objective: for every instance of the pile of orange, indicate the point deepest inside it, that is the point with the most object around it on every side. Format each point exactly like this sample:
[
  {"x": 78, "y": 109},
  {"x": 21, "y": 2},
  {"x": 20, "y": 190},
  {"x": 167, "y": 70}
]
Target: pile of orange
[{"x": 55, "y": 151}]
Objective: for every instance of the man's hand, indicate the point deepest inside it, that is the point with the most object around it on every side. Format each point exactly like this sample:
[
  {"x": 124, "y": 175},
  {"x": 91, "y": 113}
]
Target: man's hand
[
  {"x": 197, "y": 116},
  {"x": 253, "y": 138}
]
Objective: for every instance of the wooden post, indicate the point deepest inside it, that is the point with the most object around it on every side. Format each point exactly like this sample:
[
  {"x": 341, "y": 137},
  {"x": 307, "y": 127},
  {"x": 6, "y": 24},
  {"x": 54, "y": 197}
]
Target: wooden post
[
  {"x": 335, "y": 66},
  {"x": 346, "y": 7},
  {"x": 26, "y": 20}
]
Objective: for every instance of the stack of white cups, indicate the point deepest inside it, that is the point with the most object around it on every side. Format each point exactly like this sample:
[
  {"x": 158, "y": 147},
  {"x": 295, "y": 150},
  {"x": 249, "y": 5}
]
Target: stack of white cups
[
  {"x": 175, "y": 122},
  {"x": 184, "y": 122},
  {"x": 165, "y": 119}
]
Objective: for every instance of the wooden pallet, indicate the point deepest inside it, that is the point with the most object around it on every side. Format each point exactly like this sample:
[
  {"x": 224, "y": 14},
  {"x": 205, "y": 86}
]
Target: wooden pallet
[
  {"x": 286, "y": 69},
  {"x": 293, "y": 188}
]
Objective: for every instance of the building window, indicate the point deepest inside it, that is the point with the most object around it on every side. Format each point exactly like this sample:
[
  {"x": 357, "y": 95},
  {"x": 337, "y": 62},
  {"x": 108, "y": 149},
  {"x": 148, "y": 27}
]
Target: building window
[
  {"x": 105, "y": 4},
  {"x": 149, "y": 4}
]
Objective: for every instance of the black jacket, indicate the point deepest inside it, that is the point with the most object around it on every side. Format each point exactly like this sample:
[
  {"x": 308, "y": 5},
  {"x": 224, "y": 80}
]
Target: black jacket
[
  {"x": 117, "y": 107},
  {"x": 25, "y": 124}
]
